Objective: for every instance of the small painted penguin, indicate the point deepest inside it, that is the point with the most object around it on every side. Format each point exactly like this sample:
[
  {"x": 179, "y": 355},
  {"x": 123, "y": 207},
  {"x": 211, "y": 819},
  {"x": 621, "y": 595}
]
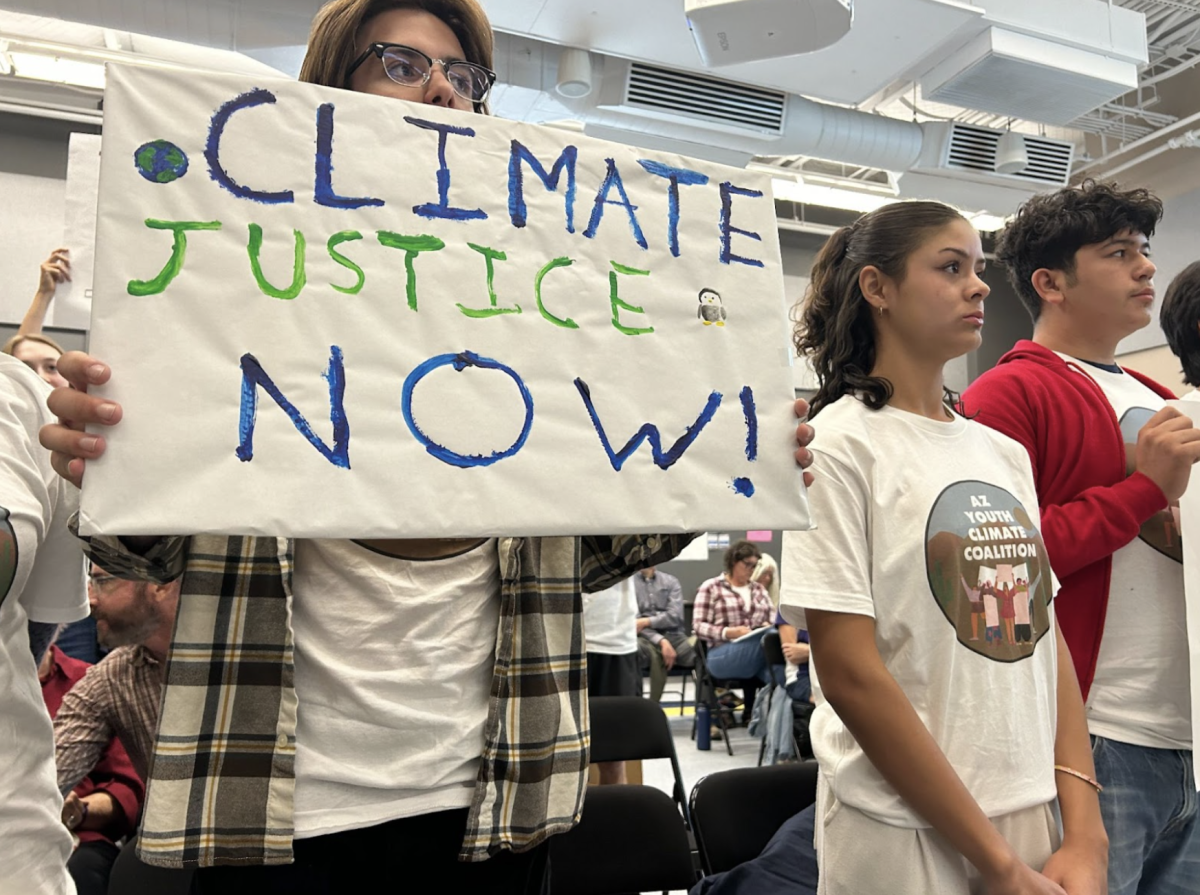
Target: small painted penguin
[{"x": 711, "y": 310}]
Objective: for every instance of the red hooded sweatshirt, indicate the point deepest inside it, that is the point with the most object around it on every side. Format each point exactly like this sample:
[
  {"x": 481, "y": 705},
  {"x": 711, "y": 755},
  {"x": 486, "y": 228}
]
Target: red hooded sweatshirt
[{"x": 1090, "y": 509}]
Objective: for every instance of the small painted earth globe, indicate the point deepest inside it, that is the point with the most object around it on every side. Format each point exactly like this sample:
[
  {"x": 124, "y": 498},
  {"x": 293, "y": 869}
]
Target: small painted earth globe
[{"x": 160, "y": 161}]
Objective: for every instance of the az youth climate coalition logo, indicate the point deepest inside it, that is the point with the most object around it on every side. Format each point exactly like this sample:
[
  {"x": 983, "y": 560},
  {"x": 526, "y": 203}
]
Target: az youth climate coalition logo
[
  {"x": 1160, "y": 531},
  {"x": 988, "y": 570}
]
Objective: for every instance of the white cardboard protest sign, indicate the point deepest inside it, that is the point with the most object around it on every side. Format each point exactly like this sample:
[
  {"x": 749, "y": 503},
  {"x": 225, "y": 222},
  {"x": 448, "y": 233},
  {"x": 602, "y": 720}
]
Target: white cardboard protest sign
[
  {"x": 332, "y": 314},
  {"x": 72, "y": 305},
  {"x": 1189, "y": 532}
]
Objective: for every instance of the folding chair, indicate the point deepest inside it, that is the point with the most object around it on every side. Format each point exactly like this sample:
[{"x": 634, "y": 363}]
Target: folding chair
[
  {"x": 773, "y": 650},
  {"x": 684, "y": 673},
  {"x": 706, "y": 692},
  {"x": 735, "y": 813},
  {"x": 629, "y": 728},
  {"x": 630, "y": 839}
]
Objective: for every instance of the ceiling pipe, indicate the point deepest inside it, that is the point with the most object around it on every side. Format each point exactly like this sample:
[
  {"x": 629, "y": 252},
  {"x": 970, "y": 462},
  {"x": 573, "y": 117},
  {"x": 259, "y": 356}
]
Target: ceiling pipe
[
  {"x": 1137, "y": 144},
  {"x": 811, "y": 128},
  {"x": 1187, "y": 140}
]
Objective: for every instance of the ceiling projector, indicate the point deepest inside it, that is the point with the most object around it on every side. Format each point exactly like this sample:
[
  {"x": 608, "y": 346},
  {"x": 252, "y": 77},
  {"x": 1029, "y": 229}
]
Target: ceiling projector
[{"x": 732, "y": 31}]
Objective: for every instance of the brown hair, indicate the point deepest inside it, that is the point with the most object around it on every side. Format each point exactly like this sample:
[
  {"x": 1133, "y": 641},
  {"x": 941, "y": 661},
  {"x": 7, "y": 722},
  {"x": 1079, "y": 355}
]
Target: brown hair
[
  {"x": 834, "y": 327},
  {"x": 10, "y": 347},
  {"x": 333, "y": 40},
  {"x": 1180, "y": 319},
  {"x": 1050, "y": 228},
  {"x": 738, "y": 551}
]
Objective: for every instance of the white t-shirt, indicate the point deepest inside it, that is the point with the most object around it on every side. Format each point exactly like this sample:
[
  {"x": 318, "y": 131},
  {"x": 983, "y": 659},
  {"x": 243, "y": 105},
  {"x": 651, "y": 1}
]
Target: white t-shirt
[
  {"x": 745, "y": 593},
  {"x": 1141, "y": 693},
  {"x": 41, "y": 579},
  {"x": 394, "y": 665},
  {"x": 610, "y": 620},
  {"x": 918, "y": 521}
]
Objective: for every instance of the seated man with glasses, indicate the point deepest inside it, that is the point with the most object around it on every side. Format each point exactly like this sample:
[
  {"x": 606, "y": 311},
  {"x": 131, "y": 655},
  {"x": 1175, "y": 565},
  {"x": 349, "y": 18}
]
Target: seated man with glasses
[{"x": 119, "y": 695}]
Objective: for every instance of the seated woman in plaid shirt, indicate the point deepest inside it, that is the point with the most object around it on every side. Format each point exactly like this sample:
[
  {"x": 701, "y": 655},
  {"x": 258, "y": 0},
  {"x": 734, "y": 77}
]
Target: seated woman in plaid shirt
[{"x": 731, "y": 614}]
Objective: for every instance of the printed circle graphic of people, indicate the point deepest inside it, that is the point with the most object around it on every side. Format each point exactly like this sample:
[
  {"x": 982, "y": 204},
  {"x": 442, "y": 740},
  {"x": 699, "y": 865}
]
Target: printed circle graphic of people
[
  {"x": 1160, "y": 531},
  {"x": 8, "y": 555},
  {"x": 988, "y": 570}
]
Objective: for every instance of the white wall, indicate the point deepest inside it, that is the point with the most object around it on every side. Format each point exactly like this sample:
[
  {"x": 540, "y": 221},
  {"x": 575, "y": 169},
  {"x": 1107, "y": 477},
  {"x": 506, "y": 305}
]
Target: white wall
[
  {"x": 1159, "y": 364},
  {"x": 1174, "y": 247},
  {"x": 33, "y": 170}
]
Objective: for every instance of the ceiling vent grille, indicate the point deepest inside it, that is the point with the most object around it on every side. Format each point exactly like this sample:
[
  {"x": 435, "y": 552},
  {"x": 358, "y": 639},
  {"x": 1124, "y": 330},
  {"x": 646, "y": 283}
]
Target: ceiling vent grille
[
  {"x": 1049, "y": 160},
  {"x": 1034, "y": 78},
  {"x": 697, "y": 97},
  {"x": 974, "y": 149}
]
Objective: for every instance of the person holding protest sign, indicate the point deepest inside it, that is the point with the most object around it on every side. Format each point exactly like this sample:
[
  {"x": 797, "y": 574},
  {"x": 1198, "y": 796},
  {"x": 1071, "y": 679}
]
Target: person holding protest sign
[
  {"x": 41, "y": 353},
  {"x": 942, "y": 755},
  {"x": 407, "y": 720}
]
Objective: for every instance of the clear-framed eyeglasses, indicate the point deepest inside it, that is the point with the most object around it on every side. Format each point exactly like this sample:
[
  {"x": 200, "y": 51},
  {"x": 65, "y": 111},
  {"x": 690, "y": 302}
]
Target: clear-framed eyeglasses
[
  {"x": 100, "y": 580},
  {"x": 412, "y": 68}
]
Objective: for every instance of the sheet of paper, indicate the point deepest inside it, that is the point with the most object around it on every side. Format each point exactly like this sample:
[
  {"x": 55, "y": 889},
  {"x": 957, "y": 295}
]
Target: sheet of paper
[
  {"x": 750, "y": 634},
  {"x": 333, "y": 314},
  {"x": 696, "y": 551},
  {"x": 1189, "y": 530},
  {"x": 72, "y": 305}
]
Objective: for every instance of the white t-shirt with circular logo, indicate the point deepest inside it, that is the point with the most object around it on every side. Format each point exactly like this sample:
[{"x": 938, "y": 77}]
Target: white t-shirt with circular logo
[{"x": 932, "y": 529}]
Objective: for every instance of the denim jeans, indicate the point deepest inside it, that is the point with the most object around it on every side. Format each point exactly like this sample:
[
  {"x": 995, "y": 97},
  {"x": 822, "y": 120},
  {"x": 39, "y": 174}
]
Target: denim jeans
[
  {"x": 743, "y": 660},
  {"x": 1149, "y": 810},
  {"x": 787, "y": 866}
]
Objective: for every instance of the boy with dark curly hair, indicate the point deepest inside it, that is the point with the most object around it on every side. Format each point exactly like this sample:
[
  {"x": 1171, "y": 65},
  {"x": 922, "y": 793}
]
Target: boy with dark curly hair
[
  {"x": 1179, "y": 317},
  {"x": 1109, "y": 460}
]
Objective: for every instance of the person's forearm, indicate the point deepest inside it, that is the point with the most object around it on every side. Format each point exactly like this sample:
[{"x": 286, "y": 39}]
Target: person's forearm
[
  {"x": 35, "y": 316},
  {"x": 703, "y": 620},
  {"x": 102, "y": 812},
  {"x": 883, "y": 721},
  {"x": 73, "y": 762},
  {"x": 798, "y": 654},
  {"x": 662, "y": 621},
  {"x": 1077, "y": 799}
]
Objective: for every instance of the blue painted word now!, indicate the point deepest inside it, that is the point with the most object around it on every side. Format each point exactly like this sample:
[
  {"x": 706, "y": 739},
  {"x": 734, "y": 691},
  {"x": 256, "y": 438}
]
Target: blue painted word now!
[
  {"x": 255, "y": 377},
  {"x": 615, "y": 189}
]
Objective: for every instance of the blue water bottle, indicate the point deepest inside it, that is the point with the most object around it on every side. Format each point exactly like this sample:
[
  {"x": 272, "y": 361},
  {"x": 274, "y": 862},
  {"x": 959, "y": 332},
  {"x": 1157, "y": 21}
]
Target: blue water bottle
[{"x": 703, "y": 728}]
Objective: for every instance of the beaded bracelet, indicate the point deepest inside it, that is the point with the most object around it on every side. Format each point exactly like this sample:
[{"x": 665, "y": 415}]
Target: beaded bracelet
[{"x": 1082, "y": 776}]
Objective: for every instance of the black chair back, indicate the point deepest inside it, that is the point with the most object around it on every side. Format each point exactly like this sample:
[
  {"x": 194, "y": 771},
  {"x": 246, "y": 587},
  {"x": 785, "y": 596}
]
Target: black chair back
[
  {"x": 625, "y": 728},
  {"x": 630, "y": 839},
  {"x": 735, "y": 813},
  {"x": 630, "y": 728},
  {"x": 773, "y": 647}
]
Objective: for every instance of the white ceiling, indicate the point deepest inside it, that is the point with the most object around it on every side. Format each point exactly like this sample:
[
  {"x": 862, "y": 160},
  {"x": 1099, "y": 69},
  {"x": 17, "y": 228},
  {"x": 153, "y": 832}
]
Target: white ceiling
[
  {"x": 877, "y": 67},
  {"x": 888, "y": 39}
]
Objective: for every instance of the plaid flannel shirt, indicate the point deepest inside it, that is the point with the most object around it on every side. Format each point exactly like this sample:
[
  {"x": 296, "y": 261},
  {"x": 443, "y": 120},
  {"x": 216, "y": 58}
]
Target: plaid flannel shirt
[
  {"x": 222, "y": 776},
  {"x": 719, "y": 606}
]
